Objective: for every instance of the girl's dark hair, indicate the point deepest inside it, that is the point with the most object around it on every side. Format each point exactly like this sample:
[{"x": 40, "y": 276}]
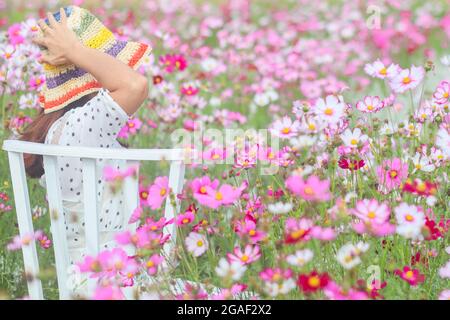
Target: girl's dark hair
[{"x": 37, "y": 130}]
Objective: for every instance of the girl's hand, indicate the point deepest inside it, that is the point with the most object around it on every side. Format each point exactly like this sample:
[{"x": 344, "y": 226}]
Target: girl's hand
[{"x": 59, "y": 39}]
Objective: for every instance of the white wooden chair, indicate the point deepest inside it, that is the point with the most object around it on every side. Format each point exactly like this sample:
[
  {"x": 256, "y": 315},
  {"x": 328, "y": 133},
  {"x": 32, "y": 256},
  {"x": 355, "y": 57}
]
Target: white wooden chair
[{"x": 16, "y": 149}]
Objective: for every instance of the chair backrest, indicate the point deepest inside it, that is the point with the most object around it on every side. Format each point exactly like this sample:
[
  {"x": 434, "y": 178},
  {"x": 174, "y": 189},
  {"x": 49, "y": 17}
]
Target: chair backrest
[{"x": 16, "y": 149}]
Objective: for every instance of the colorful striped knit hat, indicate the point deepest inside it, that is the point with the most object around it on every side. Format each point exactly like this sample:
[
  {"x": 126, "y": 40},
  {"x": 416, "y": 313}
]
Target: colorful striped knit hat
[{"x": 68, "y": 83}]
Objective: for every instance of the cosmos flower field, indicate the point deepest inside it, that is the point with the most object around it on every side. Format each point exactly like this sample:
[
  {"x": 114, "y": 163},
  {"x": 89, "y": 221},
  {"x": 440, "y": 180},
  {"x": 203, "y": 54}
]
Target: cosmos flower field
[{"x": 355, "y": 98}]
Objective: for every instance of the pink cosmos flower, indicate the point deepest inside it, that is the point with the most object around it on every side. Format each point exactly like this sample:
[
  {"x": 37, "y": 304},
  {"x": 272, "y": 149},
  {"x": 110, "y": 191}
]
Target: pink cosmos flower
[
  {"x": 215, "y": 154},
  {"x": 374, "y": 218},
  {"x": 313, "y": 189},
  {"x": 285, "y": 128},
  {"x": 199, "y": 185},
  {"x": 275, "y": 274},
  {"x": 185, "y": 218},
  {"x": 108, "y": 293},
  {"x": 18, "y": 242},
  {"x": 391, "y": 174},
  {"x": 412, "y": 276},
  {"x": 135, "y": 215},
  {"x": 249, "y": 255},
  {"x": 172, "y": 63},
  {"x": 323, "y": 233},
  {"x": 248, "y": 228},
  {"x": 225, "y": 195},
  {"x": 14, "y": 34},
  {"x": 442, "y": 93},
  {"x": 370, "y": 104},
  {"x": 297, "y": 230},
  {"x": 407, "y": 79},
  {"x": 334, "y": 292},
  {"x": 43, "y": 240},
  {"x": 152, "y": 264},
  {"x": 189, "y": 90},
  {"x": 158, "y": 192},
  {"x": 36, "y": 82},
  {"x": 196, "y": 244},
  {"x": 130, "y": 128}
]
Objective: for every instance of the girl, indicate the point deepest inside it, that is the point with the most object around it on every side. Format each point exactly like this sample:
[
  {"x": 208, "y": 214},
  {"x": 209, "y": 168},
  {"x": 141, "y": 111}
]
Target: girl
[{"x": 91, "y": 90}]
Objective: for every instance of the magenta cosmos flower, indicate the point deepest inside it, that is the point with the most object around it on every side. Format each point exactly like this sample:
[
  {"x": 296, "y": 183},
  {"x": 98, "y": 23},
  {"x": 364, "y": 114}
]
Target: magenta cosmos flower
[
  {"x": 313, "y": 189},
  {"x": 391, "y": 173}
]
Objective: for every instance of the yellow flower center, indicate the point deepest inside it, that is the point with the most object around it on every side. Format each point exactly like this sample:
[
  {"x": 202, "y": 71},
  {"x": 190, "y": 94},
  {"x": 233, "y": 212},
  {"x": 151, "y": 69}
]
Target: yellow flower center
[
  {"x": 219, "y": 196},
  {"x": 314, "y": 281},
  {"x": 286, "y": 130},
  {"x": 131, "y": 124},
  {"x": 38, "y": 81},
  {"x": 199, "y": 243},
  {"x": 421, "y": 187},
  {"x": 409, "y": 274},
  {"x": 407, "y": 80},
  {"x": 312, "y": 126},
  {"x": 215, "y": 156},
  {"x": 354, "y": 142},
  {"x": 309, "y": 191},
  {"x": 150, "y": 264},
  {"x": 163, "y": 192},
  {"x": 383, "y": 72},
  {"x": 446, "y": 95},
  {"x": 144, "y": 195},
  {"x": 370, "y": 107},
  {"x": 371, "y": 215},
  {"x": 244, "y": 258},
  {"x": 185, "y": 220},
  {"x": 203, "y": 189},
  {"x": 409, "y": 218},
  {"x": 252, "y": 232},
  {"x": 418, "y": 166},
  {"x": 297, "y": 234},
  {"x": 393, "y": 173},
  {"x": 328, "y": 111}
]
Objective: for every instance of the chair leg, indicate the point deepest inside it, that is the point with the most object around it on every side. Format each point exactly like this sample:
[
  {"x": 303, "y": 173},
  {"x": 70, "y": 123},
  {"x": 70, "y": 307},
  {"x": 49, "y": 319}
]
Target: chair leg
[
  {"x": 57, "y": 226},
  {"x": 24, "y": 219},
  {"x": 131, "y": 189},
  {"x": 176, "y": 180}
]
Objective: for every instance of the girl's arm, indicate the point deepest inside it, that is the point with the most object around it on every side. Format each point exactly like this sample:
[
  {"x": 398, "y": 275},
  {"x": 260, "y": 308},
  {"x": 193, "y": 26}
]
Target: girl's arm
[{"x": 126, "y": 86}]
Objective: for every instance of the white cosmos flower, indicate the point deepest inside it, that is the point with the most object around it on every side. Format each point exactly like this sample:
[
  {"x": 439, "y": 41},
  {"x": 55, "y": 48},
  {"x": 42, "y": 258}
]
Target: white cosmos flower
[
  {"x": 443, "y": 141},
  {"x": 261, "y": 99},
  {"x": 353, "y": 138},
  {"x": 300, "y": 257},
  {"x": 234, "y": 270},
  {"x": 422, "y": 163},
  {"x": 445, "y": 60},
  {"x": 331, "y": 109},
  {"x": 410, "y": 221},
  {"x": 349, "y": 254},
  {"x": 407, "y": 79},
  {"x": 274, "y": 289},
  {"x": 379, "y": 70},
  {"x": 196, "y": 244},
  {"x": 280, "y": 207}
]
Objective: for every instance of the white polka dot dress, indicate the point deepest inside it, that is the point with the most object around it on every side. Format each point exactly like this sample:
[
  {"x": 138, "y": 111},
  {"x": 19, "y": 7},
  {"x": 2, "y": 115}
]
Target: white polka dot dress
[{"x": 96, "y": 124}]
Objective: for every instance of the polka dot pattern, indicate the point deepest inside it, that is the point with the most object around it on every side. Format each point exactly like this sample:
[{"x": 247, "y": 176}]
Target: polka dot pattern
[{"x": 96, "y": 124}]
